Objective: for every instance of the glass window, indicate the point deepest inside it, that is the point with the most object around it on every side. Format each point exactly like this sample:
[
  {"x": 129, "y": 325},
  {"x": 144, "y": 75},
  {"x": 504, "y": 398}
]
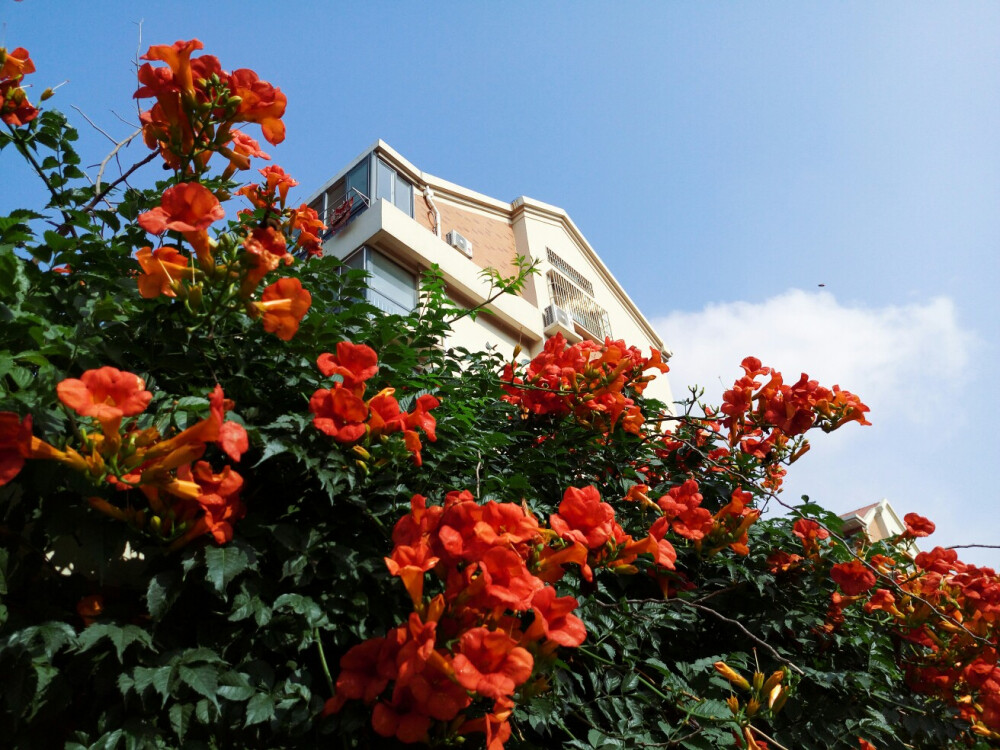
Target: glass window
[
  {"x": 394, "y": 289},
  {"x": 391, "y": 288},
  {"x": 357, "y": 185},
  {"x": 357, "y": 260},
  {"x": 403, "y": 197},
  {"x": 384, "y": 181},
  {"x": 394, "y": 188}
]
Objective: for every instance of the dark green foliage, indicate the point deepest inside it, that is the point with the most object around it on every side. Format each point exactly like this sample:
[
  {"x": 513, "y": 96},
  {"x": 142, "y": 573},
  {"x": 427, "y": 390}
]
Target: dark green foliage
[{"x": 235, "y": 646}]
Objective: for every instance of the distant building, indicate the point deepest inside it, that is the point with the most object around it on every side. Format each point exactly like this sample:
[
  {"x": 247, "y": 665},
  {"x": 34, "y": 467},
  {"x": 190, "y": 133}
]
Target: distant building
[
  {"x": 391, "y": 219},
  {"x": 877, "y": 521}
]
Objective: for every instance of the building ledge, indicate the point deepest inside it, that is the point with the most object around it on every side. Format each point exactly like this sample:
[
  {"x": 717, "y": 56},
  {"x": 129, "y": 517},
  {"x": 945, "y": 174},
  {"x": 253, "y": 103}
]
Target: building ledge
[{"x": 385, "y": 226}]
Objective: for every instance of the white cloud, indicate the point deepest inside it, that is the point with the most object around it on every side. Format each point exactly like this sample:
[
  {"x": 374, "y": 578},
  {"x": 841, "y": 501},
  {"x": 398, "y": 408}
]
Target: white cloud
[
  {"x": 910, "y": 363},
  {"x": 900, "y": 359}
]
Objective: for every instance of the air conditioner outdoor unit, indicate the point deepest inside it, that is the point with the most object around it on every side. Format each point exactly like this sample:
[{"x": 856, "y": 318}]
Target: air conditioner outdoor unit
[
  {"x": 553, "y": 315},
  {"x": 459, "y": 242}
]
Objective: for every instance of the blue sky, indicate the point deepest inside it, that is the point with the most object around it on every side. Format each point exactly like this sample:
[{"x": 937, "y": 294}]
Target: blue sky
[{"x": 724, "y": 159}]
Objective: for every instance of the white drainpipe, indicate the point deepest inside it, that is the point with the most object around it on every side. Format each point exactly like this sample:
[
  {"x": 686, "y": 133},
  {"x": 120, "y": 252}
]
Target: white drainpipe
[{"x": 429, "y": 196}]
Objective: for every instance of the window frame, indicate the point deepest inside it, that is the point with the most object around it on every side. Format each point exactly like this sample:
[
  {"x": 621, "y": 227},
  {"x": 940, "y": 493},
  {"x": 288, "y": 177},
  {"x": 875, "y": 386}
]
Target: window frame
[
  {"x": 377, "y": 297},
  {"x": 394, "y": 178}
]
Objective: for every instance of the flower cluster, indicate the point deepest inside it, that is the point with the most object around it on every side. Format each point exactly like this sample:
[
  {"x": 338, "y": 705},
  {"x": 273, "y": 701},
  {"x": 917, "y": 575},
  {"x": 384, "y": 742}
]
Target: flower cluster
[
  {"x": 268, "y": 200},
  {"x": 15, "y": 109},
  {"x": 681, "y": 511},
  {"x": 764, "y": 426},
  {"x": 197, "y": 105},
  {"x": 945, "y": 613},
  {"x": 586, "y": 380},
  {"x": 766, "y": 698},
  {"x": 184, "y": 496},
  {"x": 948, "y": 612},
  {"x": 498, "y": 618},
  {"x": 752, "y": 409},
  {"x": 344, "y": 415},
  {"x": 587, "y": 524}
]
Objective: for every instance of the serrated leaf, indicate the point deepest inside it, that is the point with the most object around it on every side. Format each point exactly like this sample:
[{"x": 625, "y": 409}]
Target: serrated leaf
[
  {"x": 53, "y": 635},
  {"x": 260, "y": 708},
  {"x": 157, "y": 677},
  {"x": 161, "y": 593},
  {"x": 180, "y": 719},
  {"x": 109, "y": 740},
  {"x": 235, "y": 692},
  {"x": 196, "y": 403},
  {"x": 121, "y": 636},
  {"x": 200, "y": 655},
  {"x": 203, "y": 680},
  {"x": 272, "y": 448},
  {"x": 223, "y": 564},
  {"x": 304, "y": 606}
]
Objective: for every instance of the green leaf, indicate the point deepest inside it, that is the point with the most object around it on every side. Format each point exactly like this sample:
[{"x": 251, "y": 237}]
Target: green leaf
[
  {"x": 203, "y": 680},
  {"x": 250, "y": 605},
  {"x": 180, "y": 719},
  {"x": 157, "y": 677},
  {"x": 58, "y": 242},
  {"x": 13, "y": 281},
  {"x": 260, "y": 708},
  {"x": 235, "y": 692},
  {"x": 223, "y": 564},
  {"x": 304, "y": 606},
  {"x": 121, "y": 637},
  {"x": 201, "y": 710},
  {"x": 161, "y": 593}
]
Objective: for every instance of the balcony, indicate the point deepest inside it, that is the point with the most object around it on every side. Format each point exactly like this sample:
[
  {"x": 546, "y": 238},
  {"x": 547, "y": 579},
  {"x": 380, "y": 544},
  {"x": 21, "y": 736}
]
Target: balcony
[
  {"x": 338, "y": 216},
  {"x": 370, "y": 180},
  {"x": 581, "y": 307}
]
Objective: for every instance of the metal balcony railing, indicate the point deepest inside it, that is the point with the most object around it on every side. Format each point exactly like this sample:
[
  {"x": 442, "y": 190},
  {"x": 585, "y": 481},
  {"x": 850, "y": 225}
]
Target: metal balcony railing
[
  {"x": 339, "y": 216},
  {"x": 580, "y": 305}
]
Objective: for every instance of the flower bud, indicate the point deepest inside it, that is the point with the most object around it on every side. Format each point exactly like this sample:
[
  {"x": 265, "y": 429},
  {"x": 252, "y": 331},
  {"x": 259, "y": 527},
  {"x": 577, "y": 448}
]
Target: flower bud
[
  {"x": 734, "y": 677},
  {"x": 772, "y": 681},
  {"x": 194, "y": 297},
  {"x": 734, "y": 705},
  {"x": 777, "y": 698},
  {"x": 758, "y": 681}
]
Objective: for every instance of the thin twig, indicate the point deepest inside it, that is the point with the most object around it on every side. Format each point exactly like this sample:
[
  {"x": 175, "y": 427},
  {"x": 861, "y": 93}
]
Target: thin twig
[
  {"x": 735, "y": 623},
  {"x": 111, "y": 186},
  {"x": 93, "y": 124},
  {"x": 122, "y": 119},
  {"x": 23, "y": 149},
  {"x": 138, "y": 54},
  {"x": 114, "y": 152},
  {"x": 769, "y": 740}
]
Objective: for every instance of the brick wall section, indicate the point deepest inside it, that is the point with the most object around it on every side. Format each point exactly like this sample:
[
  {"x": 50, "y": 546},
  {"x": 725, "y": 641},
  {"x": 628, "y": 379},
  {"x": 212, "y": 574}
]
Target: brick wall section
[{"x": 493, "y": 244}]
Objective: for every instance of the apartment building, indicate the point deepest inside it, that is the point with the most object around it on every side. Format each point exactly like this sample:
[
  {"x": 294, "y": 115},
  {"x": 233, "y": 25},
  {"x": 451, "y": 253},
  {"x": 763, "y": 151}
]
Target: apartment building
[
  {"x": 876, "y": 522},
  {"x": 395, "y": 221}
]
